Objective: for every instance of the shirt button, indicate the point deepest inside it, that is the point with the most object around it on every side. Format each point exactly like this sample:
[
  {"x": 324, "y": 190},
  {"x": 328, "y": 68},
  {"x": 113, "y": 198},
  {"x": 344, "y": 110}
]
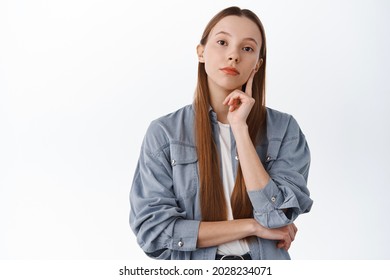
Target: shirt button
[
  {"x": 173, "y": 162},
  {"x": 268, "y": 158},
  {"x": 273, "y": 199},
  {"x": 180, "y": 243},
  {"x": 236, "y": 157}
]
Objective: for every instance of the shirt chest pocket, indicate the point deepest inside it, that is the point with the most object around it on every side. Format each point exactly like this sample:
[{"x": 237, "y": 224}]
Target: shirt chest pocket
[{"x": 184, "y": 161}]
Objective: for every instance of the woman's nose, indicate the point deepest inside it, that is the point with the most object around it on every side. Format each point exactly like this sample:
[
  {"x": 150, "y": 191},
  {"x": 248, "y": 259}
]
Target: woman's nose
[{"x": 234, "y": 56}]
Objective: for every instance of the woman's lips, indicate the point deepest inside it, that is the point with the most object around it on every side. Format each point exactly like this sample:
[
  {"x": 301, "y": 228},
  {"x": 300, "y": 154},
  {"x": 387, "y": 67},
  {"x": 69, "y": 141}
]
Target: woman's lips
[{"x": 230, "y": 71}]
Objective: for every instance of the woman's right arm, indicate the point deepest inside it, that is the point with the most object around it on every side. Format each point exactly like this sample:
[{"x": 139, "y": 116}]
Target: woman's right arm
[
  {"x": 159, "y": 222},
  {"x": 217, "y": 233}
]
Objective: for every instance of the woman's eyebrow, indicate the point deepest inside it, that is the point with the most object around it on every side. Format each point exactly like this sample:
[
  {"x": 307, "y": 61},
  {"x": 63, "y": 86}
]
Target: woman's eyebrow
[{"x": 230, "y": 35}]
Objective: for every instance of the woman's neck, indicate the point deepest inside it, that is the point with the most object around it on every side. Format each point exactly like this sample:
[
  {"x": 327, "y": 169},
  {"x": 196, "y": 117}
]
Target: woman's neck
[{"x": 217, "y": 96}]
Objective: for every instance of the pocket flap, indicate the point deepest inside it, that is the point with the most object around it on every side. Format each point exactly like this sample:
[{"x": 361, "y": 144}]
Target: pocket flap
[{"x": 183, "y": 154}]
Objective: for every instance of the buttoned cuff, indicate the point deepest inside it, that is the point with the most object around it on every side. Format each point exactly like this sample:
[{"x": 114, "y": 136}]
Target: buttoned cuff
[
  {"x": 185, "y": 235},
  {"x": 267, "y": 204}
]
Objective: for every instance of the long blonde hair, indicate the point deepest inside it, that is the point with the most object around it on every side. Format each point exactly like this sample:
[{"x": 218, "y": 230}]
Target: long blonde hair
[{"x": 212, "y": 201}]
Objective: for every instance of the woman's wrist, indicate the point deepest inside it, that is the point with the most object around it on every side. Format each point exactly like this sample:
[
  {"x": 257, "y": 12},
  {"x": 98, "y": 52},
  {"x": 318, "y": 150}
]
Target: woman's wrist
[
  {"x": 239, "y": 129},
  {"x": 253, "y": 227}
]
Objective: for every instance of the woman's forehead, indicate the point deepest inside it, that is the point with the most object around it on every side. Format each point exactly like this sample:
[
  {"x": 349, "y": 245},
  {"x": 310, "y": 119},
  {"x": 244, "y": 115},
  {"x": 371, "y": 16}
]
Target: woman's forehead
[{"x": 237, "y": 26}]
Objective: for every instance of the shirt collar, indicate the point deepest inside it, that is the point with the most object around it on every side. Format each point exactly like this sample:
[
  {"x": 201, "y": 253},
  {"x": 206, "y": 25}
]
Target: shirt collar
[{"x": 212, "y": 114}]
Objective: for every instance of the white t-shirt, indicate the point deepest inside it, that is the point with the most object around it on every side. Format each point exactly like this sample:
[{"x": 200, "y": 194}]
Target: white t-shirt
[{"x": 238, "y": 247}]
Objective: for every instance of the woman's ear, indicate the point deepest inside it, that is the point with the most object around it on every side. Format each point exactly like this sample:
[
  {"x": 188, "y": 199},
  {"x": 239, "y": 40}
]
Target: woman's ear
[
  {"x": 258, "y": 64},
  {"x": 200, "y": 50}
]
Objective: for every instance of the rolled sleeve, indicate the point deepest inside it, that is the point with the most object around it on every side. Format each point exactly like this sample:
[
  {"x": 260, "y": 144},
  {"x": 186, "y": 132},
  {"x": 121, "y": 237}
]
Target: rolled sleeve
[
  {"x": 185, "y": 235},
  {"x": 268, "y": 204}
]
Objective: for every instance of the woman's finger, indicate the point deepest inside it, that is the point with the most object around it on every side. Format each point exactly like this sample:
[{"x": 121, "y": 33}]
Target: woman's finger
[
  {"x": 249, "y": 83},
  {"x": 291, "y": 232}
]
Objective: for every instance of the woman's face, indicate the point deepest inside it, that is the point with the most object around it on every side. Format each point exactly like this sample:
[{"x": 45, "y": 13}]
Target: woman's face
[{"x": 231, "y": 53}]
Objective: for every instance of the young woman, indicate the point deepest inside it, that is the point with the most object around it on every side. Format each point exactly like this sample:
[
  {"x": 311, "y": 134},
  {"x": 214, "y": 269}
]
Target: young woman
[{"x": 224, "y": 177}]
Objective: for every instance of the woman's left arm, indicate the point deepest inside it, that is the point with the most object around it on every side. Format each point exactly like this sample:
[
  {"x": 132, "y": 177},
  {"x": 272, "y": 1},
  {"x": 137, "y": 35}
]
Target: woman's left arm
[{"x": 278, "y": 194}]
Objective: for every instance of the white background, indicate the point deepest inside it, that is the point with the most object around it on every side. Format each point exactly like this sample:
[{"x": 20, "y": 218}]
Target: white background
[{"x": 81, "y": 80}]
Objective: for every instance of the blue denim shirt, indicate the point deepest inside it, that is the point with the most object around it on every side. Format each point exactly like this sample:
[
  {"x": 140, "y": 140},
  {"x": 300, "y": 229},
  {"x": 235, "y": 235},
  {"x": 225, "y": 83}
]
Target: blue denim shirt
[{"x": 164, "y": 197}]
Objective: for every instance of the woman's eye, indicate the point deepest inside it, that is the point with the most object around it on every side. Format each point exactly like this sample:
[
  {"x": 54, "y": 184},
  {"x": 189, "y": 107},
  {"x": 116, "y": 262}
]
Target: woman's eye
[
  {"x": 247, "y": 49},
  {"x": 221, "y": 42}
]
